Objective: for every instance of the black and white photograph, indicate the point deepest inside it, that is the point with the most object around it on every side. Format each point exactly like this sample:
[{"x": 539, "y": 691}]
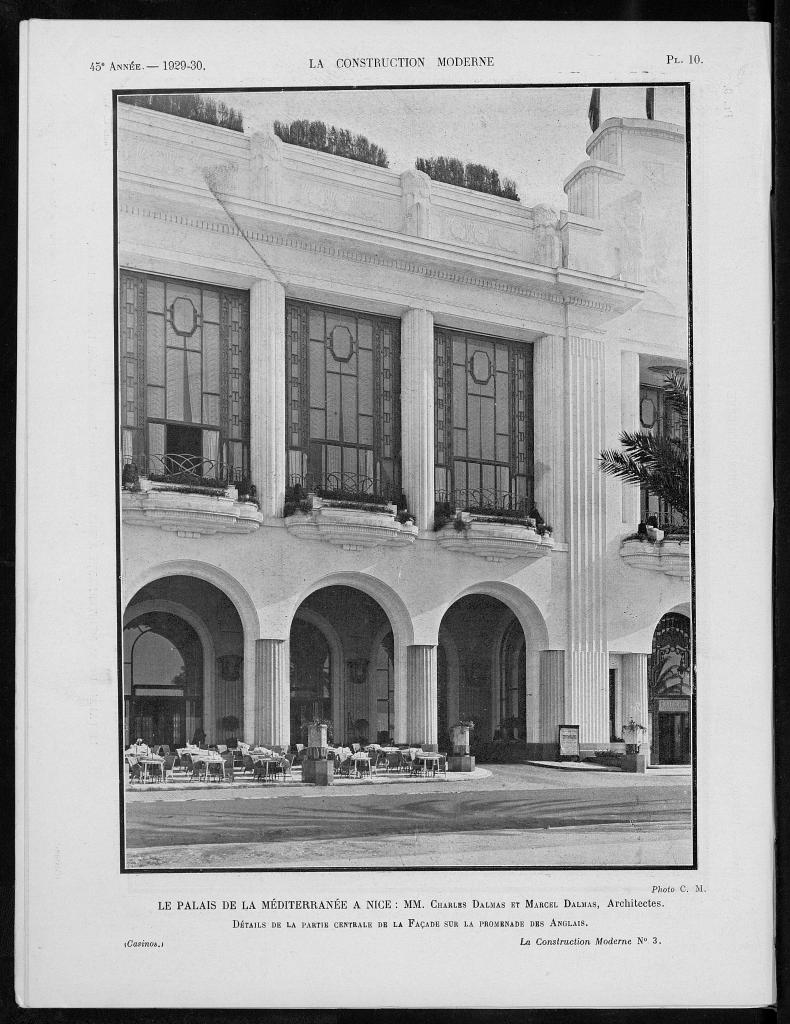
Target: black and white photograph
[
  {"x": 394, "y": 516},
  {"x": 404, "y": 455}
]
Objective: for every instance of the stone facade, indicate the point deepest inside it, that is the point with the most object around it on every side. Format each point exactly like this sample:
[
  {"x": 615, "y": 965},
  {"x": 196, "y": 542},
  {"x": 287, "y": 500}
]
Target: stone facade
[{"x": 599, "y": 292}]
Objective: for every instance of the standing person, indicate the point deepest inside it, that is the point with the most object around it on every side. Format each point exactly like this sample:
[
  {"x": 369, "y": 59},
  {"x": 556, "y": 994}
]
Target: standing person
[{"x": 199, "y": 739}]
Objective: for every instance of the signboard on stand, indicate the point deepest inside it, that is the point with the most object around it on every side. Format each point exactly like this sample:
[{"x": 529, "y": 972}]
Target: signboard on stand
[{"x": 569, "y": 743}]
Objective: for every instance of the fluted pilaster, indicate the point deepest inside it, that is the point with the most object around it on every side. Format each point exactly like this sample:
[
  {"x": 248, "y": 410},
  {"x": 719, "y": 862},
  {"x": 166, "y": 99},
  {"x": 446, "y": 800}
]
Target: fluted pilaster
[
  {"x": 634, "y": 690},
  {"x": 417, "y": 409},
  {"x": 272, "y": 692},
  {"x": 267, "y": 387},
  {"x": 587, "y": 689},
  {"x": 421, "y": 722},
  {"x": 551, "y": 699},
  {"x": 549, "y": 432},
  {"x": 629, "y": 420}
]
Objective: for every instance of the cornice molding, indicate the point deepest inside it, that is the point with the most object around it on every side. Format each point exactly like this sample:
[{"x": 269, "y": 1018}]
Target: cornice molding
[{"x": 356, "y": 256}]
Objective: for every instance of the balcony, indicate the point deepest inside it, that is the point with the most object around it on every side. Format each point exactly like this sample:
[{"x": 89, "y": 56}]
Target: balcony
[
  {"x": 346, "y": 510},
  {"x": 493, "y": 525},
  {"x": 188, "y": 495},
  {"x": 659, "y": 552}
]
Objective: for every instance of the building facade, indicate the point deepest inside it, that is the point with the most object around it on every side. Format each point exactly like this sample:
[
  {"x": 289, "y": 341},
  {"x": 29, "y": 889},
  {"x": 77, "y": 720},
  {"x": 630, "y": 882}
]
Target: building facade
[{"x": 361, "y": 415}]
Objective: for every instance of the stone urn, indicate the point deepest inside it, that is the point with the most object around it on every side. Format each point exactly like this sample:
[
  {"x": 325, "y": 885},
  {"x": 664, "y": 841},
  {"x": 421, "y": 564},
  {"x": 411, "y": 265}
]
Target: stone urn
[
  {"x": 460, "y": 760},
  {"x": 459, "y": 737},
  {"x": 634, "y": 761},
  {"x": 316, "y": 767},
  {"x": 317, "y": 745}
]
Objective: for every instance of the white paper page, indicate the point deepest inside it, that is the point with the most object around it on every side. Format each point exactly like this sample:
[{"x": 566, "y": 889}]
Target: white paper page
[{"x": 580, "y": 901}]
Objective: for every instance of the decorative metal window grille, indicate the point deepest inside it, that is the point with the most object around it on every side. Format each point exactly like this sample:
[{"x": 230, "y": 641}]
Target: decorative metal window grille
[
  {"x": 342, "y": 402},
  {"x": 669, "y": 666},
  {"x": 483, "y": 423},
  {"x": 184, "y": 378}
]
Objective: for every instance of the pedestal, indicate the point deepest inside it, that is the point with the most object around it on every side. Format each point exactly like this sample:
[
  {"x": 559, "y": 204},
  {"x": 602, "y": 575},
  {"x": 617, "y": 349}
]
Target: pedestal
[
  {"x": 460, "y": 763},
  {"x": 320, "y": 773},
  {"x": 635, "y": 763}
]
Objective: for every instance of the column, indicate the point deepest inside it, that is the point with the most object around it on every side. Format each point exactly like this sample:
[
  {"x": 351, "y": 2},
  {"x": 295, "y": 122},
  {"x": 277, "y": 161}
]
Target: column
[
  {"x": 551, "y": 700},
  {"x": 272, "y": 692},
  {"x": 634, "y": 690},
  {"x": 373, "y": 696},
  {"x": 629, "y": 420},
  {"x": 549, "y": 376},
  {"x": 587, "y": 664},
  {"x": 417, "y": 370},
  {"x": 248, "y": 685},
  {"x": 267, "y": 394},
  {"x": 453, "y": 682},
  {"x": 338, "y": 670},
  {"x": 532, "y": 684},
  {"x": 421, "y": 696}
]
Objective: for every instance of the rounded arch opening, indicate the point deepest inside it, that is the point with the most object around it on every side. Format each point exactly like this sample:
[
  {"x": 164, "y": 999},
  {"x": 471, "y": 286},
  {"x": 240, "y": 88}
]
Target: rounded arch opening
[
  {"x": 482, "y": 670},
  {"x": 342, "y": 651},
  {"x": 670, "y": 689},
  {"x": 203, "y": 704}
]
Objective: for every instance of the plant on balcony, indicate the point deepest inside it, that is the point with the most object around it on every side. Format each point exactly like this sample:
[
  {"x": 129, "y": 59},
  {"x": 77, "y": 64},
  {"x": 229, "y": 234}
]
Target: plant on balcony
[
  {"x": 362, "y": 503},
  {"x": 476, "y": 177},
  {"x": 442, "y": 515},
  {"x": 329, "y": 139},
  {"x": 194, "y": 107},
  {"x": 658, "y": 463}
]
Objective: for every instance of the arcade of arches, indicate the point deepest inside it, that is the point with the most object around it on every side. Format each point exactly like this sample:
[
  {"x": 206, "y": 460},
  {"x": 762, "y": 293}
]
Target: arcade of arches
[
  {"x": 183, "y": 657},
  {"x": 185, "y": 674}
]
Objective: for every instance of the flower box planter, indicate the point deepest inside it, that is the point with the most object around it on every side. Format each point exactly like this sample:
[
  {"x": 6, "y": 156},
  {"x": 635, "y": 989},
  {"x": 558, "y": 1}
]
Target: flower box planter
[
  {"x": 350, "y": 526},
  {"x": 189, "y": 511},
  {"x": 492, "y": 538}
]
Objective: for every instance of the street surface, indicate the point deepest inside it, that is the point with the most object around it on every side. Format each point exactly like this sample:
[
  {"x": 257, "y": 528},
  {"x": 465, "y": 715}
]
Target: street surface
[{"x": 519, "y": 814}]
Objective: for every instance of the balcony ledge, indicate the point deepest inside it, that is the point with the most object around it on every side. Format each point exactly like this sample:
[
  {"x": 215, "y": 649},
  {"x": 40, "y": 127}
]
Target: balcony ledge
[
  {"x": 350, "y": 528},
  {"x": 670, "y": 556},
  {"x": 179, "y": 510},
  {"x": 496, "y": 542}
]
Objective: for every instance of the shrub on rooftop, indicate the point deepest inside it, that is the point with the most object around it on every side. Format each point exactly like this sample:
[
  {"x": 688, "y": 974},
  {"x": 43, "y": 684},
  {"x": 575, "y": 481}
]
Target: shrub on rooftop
[
  {"x": 192, "y": 106},
  {"x": 329, "y": 139},
  {"x": 477, "y": 177}
]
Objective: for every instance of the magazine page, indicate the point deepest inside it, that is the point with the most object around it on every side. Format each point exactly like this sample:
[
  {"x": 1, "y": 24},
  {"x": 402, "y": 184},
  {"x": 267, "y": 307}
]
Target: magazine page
[{"x": 394, "y": 551}]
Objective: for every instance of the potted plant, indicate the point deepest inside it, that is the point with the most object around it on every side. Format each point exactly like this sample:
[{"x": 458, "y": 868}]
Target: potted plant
[
  {"x": 632, "y": 734},
  {"x": 458, "y": 523}
]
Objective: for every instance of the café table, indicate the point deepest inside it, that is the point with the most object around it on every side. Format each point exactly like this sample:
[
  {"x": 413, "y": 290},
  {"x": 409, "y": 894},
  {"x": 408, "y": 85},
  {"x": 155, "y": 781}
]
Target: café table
[
  {"x": 267, "y": 762},
  {"x": 360, "y": 759},
  {"x": 206, "y": 758},
  {"x": 431, "y": 762},
  {"x": 148, "y": 763}
]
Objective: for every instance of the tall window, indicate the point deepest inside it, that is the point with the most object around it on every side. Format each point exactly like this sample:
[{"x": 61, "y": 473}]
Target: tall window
[
  {"x": 184, "y": 379},
  {"x": 342, "y": 401},
  {"x": 660, "y": 417},
  {"x": 483, "y": 422}
]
